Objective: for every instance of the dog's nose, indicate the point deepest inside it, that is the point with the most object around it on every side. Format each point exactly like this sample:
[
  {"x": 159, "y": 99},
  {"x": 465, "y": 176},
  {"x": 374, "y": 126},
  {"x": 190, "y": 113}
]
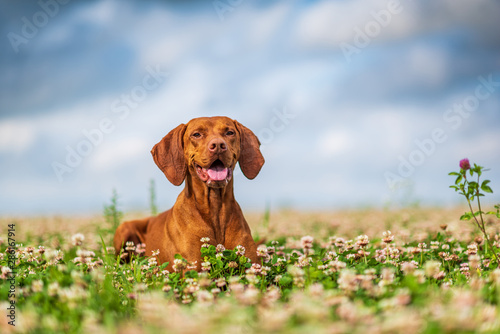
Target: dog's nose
[{"x": 217, "y": 145}]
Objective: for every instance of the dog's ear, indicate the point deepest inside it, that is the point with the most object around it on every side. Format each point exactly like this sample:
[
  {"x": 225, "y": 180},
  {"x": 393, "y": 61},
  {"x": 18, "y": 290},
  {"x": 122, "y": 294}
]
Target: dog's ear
[
  {"x": 169, "y": 155},
  {"x": 251, "y": 160}
]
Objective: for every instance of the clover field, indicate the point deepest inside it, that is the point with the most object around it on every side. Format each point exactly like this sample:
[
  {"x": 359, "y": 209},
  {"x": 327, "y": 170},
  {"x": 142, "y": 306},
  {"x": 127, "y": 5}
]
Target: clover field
[{"x": 411, "y": 270}]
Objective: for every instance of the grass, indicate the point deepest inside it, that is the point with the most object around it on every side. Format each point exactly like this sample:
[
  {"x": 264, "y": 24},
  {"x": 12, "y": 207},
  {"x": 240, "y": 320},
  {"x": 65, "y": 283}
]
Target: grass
[{"x": 334, "y": 272}]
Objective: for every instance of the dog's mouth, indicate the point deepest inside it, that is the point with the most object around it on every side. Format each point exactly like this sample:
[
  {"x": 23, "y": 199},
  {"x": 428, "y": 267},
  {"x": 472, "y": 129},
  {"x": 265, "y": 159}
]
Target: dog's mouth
[{"x": 217, "y": 175}]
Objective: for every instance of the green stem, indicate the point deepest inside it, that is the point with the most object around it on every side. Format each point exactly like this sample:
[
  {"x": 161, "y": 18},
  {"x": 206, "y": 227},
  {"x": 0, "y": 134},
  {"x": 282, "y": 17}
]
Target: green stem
[
  {"x": 488, "y": 241},
  {"x": 479, "y": 225},
  {"x": 479, "y": 205},
  {"x": 215, "y": 273}
]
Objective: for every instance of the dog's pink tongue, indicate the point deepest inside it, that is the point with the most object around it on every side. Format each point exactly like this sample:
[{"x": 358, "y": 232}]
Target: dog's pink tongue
[{"x": 217, "y": 173}]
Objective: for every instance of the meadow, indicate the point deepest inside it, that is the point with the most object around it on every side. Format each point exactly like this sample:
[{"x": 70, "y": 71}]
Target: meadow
[
  {"x": 381, "y": 271},
  {"x": 411, "y": 270}
]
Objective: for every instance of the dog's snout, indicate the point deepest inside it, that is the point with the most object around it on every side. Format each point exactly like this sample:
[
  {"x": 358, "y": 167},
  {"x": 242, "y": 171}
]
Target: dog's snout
[{"x": 217, "y": 145}]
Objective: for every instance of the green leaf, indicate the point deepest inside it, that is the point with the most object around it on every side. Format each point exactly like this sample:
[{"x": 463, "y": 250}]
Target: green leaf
[
  {"x": 466, "y": 216},
  {"x": 103, "y": 244},
  {"x": 205, "y": 251},
  {"x": 178, "y": 256},
  {"x": 227, "y": 253},
  {"x": 459, "y": 178},
  {"x": 453, "y": 173},
  {"x": 191, "y": 274},
  {"x": 485, "y": 187},
  {"x": 285, "y": 280}
]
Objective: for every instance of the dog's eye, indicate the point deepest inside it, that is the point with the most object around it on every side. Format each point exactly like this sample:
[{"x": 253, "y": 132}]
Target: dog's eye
[
  {"x": 196, "y": 135},
  {"x": 230, "y": 133}
]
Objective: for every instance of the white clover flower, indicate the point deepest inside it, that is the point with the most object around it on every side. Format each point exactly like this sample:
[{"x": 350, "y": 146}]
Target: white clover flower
[
  {"x": 5, "y": 272},
  {"x": 388, "y": 237},
  {"x": 53, "y": 289},
  {"x": 432, "y": 268},
  {"x": 37, "y": 286},
  {"x": 205, "y": 266},
  {"x": 178, "y": 265},
  {"x": 362, "y": 240},
  {"x": 77, "y": 239},
  {"x": 152, "y": 262},
  {"x": 204, "y": 297},
  {"x": 306, "y": 242},
  {"x": 240, "y": 250},
  {"x": 262, "y": 251}
]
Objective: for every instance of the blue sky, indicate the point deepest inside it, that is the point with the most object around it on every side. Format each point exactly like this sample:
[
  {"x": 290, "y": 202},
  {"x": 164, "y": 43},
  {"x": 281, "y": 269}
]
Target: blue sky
[{"x": 357, "y": 103}]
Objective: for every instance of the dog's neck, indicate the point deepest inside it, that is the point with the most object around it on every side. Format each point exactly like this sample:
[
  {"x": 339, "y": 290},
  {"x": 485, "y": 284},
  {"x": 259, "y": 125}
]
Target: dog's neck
[{"x": 214, "y": 205}]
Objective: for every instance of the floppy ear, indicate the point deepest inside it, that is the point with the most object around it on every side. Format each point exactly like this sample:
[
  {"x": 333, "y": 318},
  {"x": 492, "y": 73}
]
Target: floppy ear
[
  {"x": 251, "y": 160},
  {"x": 169, "y": 155}
]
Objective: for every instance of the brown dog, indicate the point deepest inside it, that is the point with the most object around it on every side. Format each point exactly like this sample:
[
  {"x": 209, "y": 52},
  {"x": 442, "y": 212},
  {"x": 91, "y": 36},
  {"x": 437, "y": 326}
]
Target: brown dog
[{"x": 203, "y": 153}]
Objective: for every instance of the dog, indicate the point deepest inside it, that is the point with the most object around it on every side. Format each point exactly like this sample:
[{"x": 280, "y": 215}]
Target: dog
[{"x": 203, "y": 154}]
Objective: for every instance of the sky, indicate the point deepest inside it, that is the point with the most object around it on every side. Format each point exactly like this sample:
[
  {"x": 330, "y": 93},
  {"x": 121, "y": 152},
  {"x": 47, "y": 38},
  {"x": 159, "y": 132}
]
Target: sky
[{"x": 358, "y": 103}]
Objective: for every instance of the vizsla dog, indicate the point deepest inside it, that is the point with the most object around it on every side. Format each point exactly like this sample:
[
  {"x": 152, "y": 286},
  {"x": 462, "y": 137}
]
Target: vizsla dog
[{"x": 203, "y": 153}]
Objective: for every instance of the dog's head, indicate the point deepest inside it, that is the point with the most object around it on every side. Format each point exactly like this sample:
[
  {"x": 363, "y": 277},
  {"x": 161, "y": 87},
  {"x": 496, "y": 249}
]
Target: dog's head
[{"x": 208, "y": 148}]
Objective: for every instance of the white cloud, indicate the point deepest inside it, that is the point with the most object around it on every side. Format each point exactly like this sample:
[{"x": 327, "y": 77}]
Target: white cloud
[
  {"x": 429, "y": 65},
  {"x": 329, "y": 23},
  {"x": 480, "y": 146},
  {"x": 335, "y": 142},
  {"x": 100, "y": 12},
  {"x": 16, "y": 135},
  {"x": 114, "y": 154},
  {"x": 390, "y": 128},
  {"x": 167, "y": 49},
  {"x": 184, "y": 93},
  {"x": 269, "y": 22}
]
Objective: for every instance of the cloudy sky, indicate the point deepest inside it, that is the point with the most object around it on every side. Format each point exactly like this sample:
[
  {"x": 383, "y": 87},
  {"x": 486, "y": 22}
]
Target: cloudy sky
[{"x": 357, "y": 103}]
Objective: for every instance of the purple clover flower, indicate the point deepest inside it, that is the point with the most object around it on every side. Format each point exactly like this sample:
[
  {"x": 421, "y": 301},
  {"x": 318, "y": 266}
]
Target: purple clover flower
[{"x": 464, "y": 164}]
